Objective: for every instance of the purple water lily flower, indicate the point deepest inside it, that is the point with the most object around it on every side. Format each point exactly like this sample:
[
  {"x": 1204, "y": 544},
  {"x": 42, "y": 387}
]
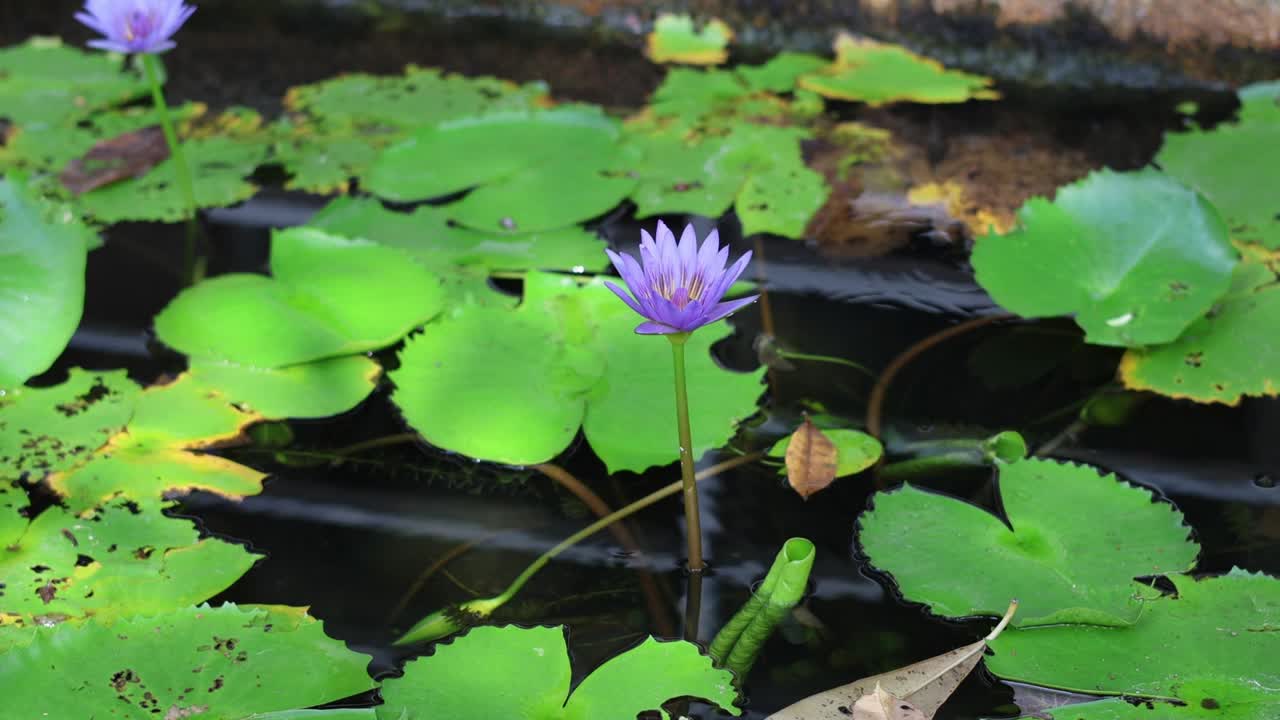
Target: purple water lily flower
[
  {"x": 134, "y": 26},
  {"x": 679, "y": 287}
]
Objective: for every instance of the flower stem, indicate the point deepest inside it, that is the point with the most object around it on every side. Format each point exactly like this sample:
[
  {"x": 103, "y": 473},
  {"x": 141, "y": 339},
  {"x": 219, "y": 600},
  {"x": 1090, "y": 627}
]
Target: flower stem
[
  {"x": 193, "y": 268},
  {"x": 692, "y": 519}
]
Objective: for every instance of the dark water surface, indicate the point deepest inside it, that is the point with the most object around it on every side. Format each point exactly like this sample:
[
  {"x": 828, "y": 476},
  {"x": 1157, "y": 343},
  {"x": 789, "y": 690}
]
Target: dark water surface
[{"x": 351, "y": 538}]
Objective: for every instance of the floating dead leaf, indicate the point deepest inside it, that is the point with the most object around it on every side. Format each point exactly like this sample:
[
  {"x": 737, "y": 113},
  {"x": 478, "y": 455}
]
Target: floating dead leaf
[
  {"x": 882, "y": 705},
  {"x": 924, "y": 686},
  {"x": 114, "y": 159},
  {"x": 812, "y": 460}
]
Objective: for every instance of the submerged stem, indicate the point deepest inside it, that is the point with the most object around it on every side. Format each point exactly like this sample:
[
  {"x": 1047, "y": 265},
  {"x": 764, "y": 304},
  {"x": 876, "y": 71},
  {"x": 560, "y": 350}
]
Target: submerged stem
[
  {"x": 193, "y": 268},
  {"x": 445, "y": 622},
  {"x": 692, "y": 518}
]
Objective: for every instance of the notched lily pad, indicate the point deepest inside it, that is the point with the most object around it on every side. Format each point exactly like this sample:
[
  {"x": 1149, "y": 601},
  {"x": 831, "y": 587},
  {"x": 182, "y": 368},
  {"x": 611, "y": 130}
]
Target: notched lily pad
[
  {"x": 1075, "y": 541},
  {"x": 225, "y": 662},
  {"x": 515, "y": 672},
  {"x": 116, "y": 560},
  {"x": 328, "y": 296},
  {"x": 571, "y": 355},
  {"x": 219, "y": 166},
  {"x": 1225, "y": 355},
  {"x": 427, "y": 234},
  {"x": 1210, "y": 645},
  {"x": 158, "y": 452},
  {"x": 1136, "y": 257},
  {"x": 44, "y": 81},
  {"x": 44, "y": 430},
  {"x": 1233, "y": 166}
]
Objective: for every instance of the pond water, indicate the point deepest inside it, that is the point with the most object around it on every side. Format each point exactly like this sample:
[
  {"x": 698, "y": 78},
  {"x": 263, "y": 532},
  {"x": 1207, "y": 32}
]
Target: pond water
[{"x": 359, "y": 536}]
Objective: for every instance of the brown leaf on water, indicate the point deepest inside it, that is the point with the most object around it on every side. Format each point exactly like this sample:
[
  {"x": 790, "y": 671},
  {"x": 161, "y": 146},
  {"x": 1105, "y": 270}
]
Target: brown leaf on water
[
  {"x": 114, "y": 159},
  {"x": 923, "y": 687},
  {"x": 811, "y": 460}
]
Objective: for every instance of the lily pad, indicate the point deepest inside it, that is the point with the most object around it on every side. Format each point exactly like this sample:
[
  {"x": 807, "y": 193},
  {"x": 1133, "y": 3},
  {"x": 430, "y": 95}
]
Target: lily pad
[
  {"x": 1225, "y": 355},
  {"x": 43, "y": 81},
  {"x": 524, "y": 674},
  {"x": 219, "y": 167},
  {"x": 43, "y": 245},
  {"x": 780, "y": 73},
  {"x": 453, "y": 156},
  {"x": 571, "y": 356},
  {"x": 48, "y": 148},
  {"x": 157, "y": 453},
  {"x": 757, "y": 168},
  {"x": 419, "y": 97},
  {"x": 1211, "y": 645},
  {"x": 114, "y": 561},
  {"x": 427, "y": 234},
  {"x": 1231, "y": 165},
  {"x": 328, "y": 296},
  {"x": 1136, "y": 257},
  {"x": 44, "y": 430},
  {"x": 531, "y": 171},
  {"x": 308, "y": 390},
  {"x": 321, "y": 159},
  {"x": 675, "y": 40},
  {"x": 226, "y": 662},
  {"x": 877, "y": 73},
  {"x": 855, "y": 451},
  {"x": 1074, "y": 542}
]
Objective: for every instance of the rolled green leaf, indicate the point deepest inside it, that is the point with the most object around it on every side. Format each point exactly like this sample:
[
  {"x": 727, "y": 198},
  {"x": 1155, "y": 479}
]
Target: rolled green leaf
[{"x": 738, "y": 643}]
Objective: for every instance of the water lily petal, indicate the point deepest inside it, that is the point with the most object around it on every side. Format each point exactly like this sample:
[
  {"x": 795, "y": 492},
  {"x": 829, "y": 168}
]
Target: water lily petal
[
  {"x": 724, "y": 309},
  {"x": 655, "y": 328}
]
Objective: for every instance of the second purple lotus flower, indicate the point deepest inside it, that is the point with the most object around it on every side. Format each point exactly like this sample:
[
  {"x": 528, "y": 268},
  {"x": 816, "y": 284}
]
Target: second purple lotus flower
[{"x": 677, "y": 287}]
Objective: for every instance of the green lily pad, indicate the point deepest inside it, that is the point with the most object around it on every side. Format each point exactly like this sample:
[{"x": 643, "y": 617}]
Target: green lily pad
[
  {"x": 322, "y": 159},
  {"x": 878, "y": 73},
  {"x": 524, "y": 674},
  {"x": 48, "y": 148},
  {"x": 531, "y": 171},
  {"x": 1078, "y": 540},
  {"x": 44, "y": 430},
  {"x": 219, "y": 166},
  {"x": 43, "y": 246},
  {"x": 855, "y": 451},
  {"x": 571, "y": 357},
  {"x": 1210, "y": 707},
  {"x": 427, "y": 234},
  {"x": 43, "y": 81},
  {"x": 675, "y": 40},
  {"x": 308, "y": 390},
  {"x": 419, "y": 97},
  {"x": 156, "y": 455},
  {"x": 1212, "y": 645},
  {"x": 226, "y": 662},
  {"x": 1137, "y": 257},
  {"x": 1221, "y": 357},
  {"x": 453, "y": 156},
  {"x": 328, "y": 296},
  {"x": 113, "y": 561},
  {"x": 780, "y": 73},
  {"x": 1231, "y": 165},
  {"x": 757, "y": 168}
]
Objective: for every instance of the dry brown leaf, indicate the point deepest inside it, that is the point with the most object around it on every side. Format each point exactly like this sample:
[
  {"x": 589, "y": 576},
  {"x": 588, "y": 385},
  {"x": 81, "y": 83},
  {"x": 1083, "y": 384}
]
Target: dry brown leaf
[
  {"x": 924, "y": 686},
  {"x": 881, "y": 705},
  {"x": 811, "y": 459},
  {"x": 118, "y": 158}
]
